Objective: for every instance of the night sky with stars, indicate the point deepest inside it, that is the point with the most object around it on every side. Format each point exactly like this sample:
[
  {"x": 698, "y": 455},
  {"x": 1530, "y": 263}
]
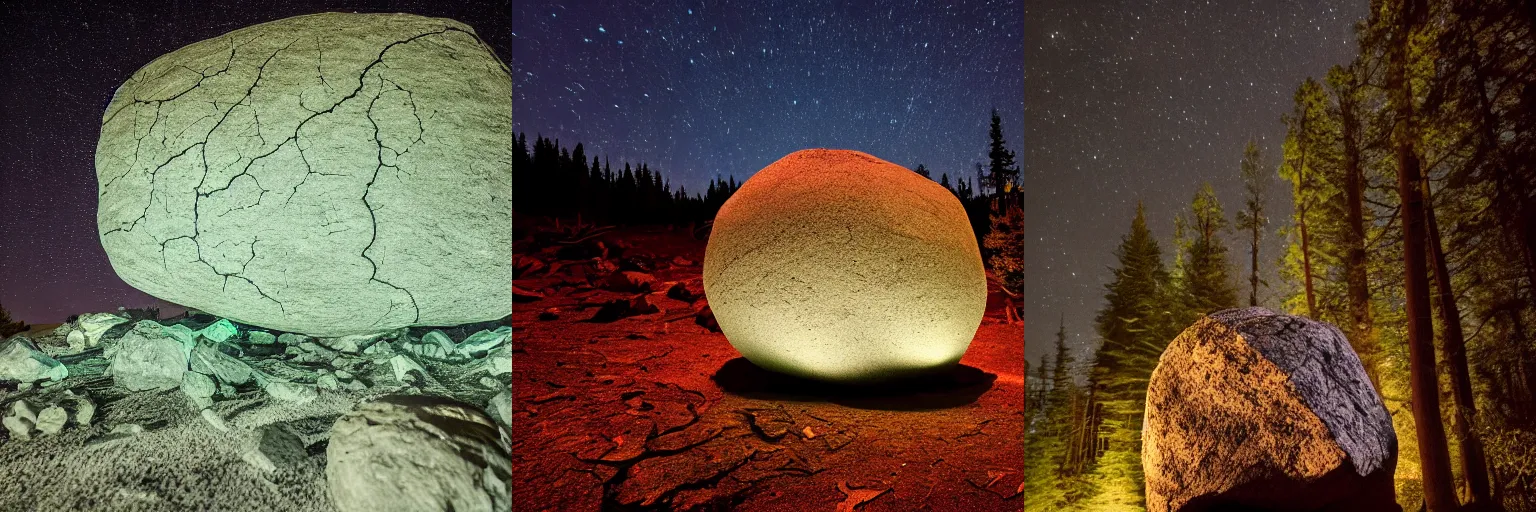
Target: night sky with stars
[
  {"x": 1133, "y": 101},
  {"x": 62, "y": 61},
  {"x": 703, "y": 89}
]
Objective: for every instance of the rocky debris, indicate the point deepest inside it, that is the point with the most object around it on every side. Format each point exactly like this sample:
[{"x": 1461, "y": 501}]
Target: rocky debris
[
  {"x": 522, "y": 295},
  {"x": 681, "y": 261},
  {"x": 20, "y": 420},
  {"x": 210, "y": 361},
  {"x": 429, "y": 245},
  {"x": 350, "y": 344},
  {"x": 484, "y": 341},
  {"x": 418, "y": 453},
  {"x": 52, "y": 419},
  {"x": 687, "y": 291},
  {"x": 836, "y": 265},
  {"x": 1300, "y": 426},
  {"x": 20, "y": 361},
  {"x": 287, "y": 391},
  {"x": 706, "y": 318},
  {"x": 631, "y": 282},
  {"x": 291, "y": 339},
  {"x": 260, "y": 338},
  {"x": 145, "y": 359},
  {"x": 402, "y": 367},
  {"x": 618, "y": 309},
  {"x": 197, "y": 386},
  {"x": 856, "y": 496},
  {"x": 549, "y": 315},
  {"x": 84, "y": 408},
  {"x": 91, "y": 327},
  {"x": 500, "y": 407}
]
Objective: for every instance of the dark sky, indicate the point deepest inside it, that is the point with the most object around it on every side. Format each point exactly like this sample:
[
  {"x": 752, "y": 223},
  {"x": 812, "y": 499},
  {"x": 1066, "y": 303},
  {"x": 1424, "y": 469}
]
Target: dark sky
[
  {"x": 62, "y": 61},
  {"x": 1143, "y": 101},
  {"x": 699, "y": 89}
]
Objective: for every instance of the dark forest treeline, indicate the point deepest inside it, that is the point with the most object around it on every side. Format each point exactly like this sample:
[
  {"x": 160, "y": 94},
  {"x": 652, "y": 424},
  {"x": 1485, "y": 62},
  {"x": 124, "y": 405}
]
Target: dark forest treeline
[
  {"x": 1412, "y": 172},
  {"x": 554, "y": 181}
]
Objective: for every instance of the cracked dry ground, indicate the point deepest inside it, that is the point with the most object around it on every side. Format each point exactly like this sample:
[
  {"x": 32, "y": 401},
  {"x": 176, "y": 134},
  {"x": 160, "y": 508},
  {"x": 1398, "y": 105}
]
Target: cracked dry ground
[{"x": 654, "y": 412}]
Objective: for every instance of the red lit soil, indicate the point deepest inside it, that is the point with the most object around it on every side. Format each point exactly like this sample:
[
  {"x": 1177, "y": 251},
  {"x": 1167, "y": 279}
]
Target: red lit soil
[{"x": 628, "y": 415}]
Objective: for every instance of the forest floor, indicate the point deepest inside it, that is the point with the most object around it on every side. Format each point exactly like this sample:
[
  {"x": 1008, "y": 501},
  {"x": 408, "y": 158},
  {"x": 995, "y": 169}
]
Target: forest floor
[{"x": 625, "y": 397}]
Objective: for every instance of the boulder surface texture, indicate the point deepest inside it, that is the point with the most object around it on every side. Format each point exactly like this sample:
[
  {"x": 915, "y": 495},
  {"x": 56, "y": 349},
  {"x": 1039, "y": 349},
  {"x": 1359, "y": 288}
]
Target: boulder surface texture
[
  {"x": 327, "y": 174},
  {"x": 1251, "y": 409},
  {"x": 839, "y": 266},
  {"x": 418, "y": 453}
]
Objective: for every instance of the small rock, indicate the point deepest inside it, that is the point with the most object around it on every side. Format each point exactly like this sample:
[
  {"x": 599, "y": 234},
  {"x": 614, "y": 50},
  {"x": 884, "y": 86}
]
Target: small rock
[
  {"x": 85, "y": 409},
  {"x": 76, "y": 340},
  {"x": 290, "y": 391},
  {"x": 20, "y": 420},
  {"x": 624, "y": 308},
  {"x": 51, "y": 420},
  {"x": 521, "y": 295},
  {"x": 350, "y": 344},
  {"x": 289, "y": 338},
  {"x": 214, "y": 419},
  {"x": 500, "y": 407},
  {"x": 706, "y": 318},
  {"x": 681, "y": 261},
  {"x": 491, "y": 383},
  {"x": 328, "y": 382},
  {"x": 687, "y": 291},
  {"x": 478, "y": 343},
  {"x": 355, "y": 385},
  {"x": 91, "y": 326},
  {"x": 631, "y": 282},
  {"x": 402, "y": 367},
  {"x": 438, "y": 338},
  {"x": 549, "y": 315},
  {"x": 210, "y": 361},
  {"x": 197, "y": 385},
  {"x": 260, "y": 338},
  {"x": 342, "y": 374},
  {"x": 500, "y": 365},
  {"x": 219, "y": 331}
]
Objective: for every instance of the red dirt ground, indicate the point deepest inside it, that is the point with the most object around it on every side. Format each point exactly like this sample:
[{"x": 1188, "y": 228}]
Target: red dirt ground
[{"x": 655, "y": 412}]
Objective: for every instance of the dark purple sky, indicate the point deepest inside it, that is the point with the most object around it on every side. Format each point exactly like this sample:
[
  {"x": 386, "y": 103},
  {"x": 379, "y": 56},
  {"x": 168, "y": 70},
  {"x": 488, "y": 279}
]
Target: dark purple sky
[
  {"x": 1142, "y": 101},
  {"x": 703, "y": 89},
  {"x": 62, "y": 60}
]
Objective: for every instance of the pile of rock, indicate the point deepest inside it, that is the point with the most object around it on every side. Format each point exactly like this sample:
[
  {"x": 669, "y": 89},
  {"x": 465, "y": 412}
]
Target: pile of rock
[{"x": 21, "y": 421}]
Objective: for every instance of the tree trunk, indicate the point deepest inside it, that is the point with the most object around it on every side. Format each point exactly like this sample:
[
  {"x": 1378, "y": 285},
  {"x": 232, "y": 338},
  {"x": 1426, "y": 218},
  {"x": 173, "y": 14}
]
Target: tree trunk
[
  {"x": 1361, "y": 334},
  {"x": 1253, "y": 279},
  {"x": 1301, "y": 215},
  {"x": 1434, "y": 456},
  {"x": 1474, "y": 465}
]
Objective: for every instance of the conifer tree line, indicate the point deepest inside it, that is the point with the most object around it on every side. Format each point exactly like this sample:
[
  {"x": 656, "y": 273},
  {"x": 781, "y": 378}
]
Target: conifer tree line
[
  {"x": 552, "y": 180},
  {"x": 1412, "y": 175}
]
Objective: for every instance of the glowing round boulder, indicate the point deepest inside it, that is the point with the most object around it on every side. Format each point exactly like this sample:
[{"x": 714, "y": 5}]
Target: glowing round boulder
[{"x": 838, "y": 266}]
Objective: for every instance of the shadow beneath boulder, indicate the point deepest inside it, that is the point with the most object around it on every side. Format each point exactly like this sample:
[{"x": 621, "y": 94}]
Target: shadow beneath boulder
[{"x": 955, "y": 386}]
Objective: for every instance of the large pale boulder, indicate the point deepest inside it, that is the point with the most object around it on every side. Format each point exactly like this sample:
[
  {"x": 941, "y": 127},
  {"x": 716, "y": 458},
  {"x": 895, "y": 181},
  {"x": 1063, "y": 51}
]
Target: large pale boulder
[
  {"x": 146, "y": 358},
  {"x": 1253, "y": 409},
  {"x": 328, "y": 174},
  {"x": 418, "y": 453},
  {"x": 20, "y": 361},
  {"x": 836, "y": 265}
]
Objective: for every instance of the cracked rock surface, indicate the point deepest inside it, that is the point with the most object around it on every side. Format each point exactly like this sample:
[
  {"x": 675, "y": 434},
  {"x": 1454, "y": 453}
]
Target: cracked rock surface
[
  {"x": 327, "y": 174},
  {"x": 649, "y": 410},
  {"x": 1251, "y": 408}
]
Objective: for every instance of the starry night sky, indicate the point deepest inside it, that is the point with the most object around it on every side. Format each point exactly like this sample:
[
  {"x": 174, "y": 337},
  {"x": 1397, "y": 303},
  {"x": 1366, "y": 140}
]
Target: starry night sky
[
  {"x": 62, "y": 61},
  {"x": 700, "y": 89},
  {"x": 1129, "y": 101}
]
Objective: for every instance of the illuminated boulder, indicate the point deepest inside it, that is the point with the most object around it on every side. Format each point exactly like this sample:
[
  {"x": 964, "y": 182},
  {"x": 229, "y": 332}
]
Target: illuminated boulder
[
  {"x": 836, "y": 265},
  {"x": 329, "y": 174},
  {"x": 1250, "y": 409},
  {"x": 419, "y": 453}
]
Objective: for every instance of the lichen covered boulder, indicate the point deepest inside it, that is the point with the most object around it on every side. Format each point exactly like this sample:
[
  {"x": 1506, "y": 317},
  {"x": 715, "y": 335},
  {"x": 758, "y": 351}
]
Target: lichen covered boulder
[
  {"x": 1250, "y": 409},
  {"x": 839, "y": 266},
  {"x": 328, "y": 174},
  {"x": 418, "y": 453}
]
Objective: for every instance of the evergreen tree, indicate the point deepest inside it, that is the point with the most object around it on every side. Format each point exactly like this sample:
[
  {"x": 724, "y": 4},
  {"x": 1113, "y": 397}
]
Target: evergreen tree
[
  {"x": 1002, "y": 171},
  {"x": 1207, "y": 276},
  {"x": 1251, "y": 218},
  {"x": 8, "y": 326}
]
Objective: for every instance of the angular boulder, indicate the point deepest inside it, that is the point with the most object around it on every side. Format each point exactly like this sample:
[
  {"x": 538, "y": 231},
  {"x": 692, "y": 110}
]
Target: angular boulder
[
  {"x": 20, "y": 361},
  {"x": 1251, "y": 409},
  {"x": 839, "y": 266},
  {"x": 327, "y": 174},
  {"x": 418, "y": 453},
  {"x": 146, "y": 358}
]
